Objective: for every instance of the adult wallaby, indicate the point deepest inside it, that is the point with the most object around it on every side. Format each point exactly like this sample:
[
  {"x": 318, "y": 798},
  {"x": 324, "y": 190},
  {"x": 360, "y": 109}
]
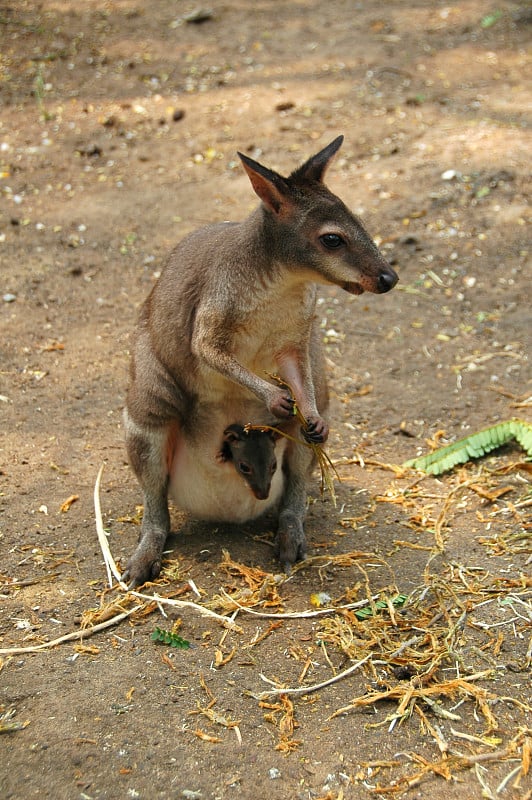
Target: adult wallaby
[{"x": 235, "y": 304}]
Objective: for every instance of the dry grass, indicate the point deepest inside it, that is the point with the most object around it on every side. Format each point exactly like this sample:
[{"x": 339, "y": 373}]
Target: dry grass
[{"x": 433, "y": 662}]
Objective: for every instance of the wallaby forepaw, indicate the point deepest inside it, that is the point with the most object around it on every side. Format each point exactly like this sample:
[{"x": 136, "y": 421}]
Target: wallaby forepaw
[
  {"x": 282, "y": 405},
  {"x": 316, "y": 430}
]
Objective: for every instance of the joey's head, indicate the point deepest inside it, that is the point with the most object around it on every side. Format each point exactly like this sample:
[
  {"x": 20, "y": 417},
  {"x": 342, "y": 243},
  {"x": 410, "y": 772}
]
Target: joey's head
[
  {"x": 253, "y": 455},
  {"x": 312, "y": 230}
]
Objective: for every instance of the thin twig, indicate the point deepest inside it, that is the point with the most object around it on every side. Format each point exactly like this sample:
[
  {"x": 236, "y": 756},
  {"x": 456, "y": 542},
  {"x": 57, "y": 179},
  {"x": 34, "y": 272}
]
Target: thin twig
[
  {"x": 68, "y": 637},
  {"x": 296, "y": 614},
  {"x": 206, "y": 612},
  {"x": 111, "y": 567},
  {"x": 110, "y": 564},
  {"x": 315, "y": 687}
]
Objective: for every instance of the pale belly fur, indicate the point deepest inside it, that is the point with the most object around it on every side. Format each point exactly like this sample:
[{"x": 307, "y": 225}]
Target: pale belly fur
[{"x": 209, "y": 490}]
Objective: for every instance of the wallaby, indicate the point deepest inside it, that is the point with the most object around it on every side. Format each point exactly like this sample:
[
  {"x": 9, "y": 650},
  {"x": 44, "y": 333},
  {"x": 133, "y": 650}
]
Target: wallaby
[{"x": 235, "y": 304}]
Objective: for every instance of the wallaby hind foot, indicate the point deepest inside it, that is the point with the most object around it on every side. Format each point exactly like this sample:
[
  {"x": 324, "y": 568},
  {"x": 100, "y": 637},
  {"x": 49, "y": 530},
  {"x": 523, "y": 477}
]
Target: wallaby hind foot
[
  {"x": 145, "y": 563},
  {"x": 291, "y": 542}
]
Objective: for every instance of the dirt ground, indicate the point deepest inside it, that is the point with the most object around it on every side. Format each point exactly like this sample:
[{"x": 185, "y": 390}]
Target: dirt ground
[{"x": 119, "y": 129}]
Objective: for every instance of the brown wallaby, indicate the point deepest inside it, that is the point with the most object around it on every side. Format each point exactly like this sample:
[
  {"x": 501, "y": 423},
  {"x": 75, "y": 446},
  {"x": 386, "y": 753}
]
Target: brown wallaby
[{"x": 233, "y": 305}]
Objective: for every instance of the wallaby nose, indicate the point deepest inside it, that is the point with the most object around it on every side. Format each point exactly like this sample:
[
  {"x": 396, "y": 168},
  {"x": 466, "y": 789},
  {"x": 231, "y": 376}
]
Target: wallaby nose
[{"x": 386, "y": 281}]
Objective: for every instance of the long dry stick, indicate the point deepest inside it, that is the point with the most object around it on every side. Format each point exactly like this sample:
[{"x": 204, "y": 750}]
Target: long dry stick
[
  {"x": 112, "y": 568},
  {"x": 295, "y": 614},
  {"x": 110, "y": 564},
  {"x": 205, "y": 612},
  {"x": 69, "y": 637},
  {"x": 315, "y": 687}
]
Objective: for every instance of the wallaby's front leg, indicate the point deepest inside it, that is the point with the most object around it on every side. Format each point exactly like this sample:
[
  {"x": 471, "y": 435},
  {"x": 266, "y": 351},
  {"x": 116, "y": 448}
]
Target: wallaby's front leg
[
  {"x": 295, "y": 368},
  {"x": 148, "y": 454},
  {"x": 212, "y": 343}
]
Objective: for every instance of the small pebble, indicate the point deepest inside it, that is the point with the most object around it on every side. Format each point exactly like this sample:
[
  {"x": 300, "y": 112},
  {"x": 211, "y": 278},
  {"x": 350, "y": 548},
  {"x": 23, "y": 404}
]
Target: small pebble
[
  {"x": 9, "y": 298},
  {"x": 286, "y": 106},
  {"x": 274, "y": 773},
  {"x": 198, "y": 16},
  {"x": 449, "y": 175}
]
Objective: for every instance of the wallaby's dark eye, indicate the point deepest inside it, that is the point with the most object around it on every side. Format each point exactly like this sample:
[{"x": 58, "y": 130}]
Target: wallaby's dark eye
[
  {"x": 331, "y": 241},
  {"x": 273, "y": 467},
  {"x": 244, "y": 468}
]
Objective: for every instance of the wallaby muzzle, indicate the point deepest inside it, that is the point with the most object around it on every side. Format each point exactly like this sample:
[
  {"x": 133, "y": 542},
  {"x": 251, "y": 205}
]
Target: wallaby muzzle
[{"x": 383, "y": 283}]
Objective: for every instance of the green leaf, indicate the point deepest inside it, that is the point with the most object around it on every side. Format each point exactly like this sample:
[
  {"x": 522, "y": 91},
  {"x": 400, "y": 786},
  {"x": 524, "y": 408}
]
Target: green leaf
[
  {"x": 490, "y": 19},
  {"x": 364, "y": 613},
  {"x": 169, "y": 638},
  {"x": 475, "y": 446}
]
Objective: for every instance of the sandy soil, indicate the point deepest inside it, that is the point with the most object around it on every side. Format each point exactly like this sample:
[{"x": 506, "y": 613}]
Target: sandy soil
[{"x": 119, "y": 128}]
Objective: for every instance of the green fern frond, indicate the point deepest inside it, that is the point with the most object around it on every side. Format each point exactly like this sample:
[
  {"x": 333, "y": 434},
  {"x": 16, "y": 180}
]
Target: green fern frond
[{"x": 475, "y": 446}]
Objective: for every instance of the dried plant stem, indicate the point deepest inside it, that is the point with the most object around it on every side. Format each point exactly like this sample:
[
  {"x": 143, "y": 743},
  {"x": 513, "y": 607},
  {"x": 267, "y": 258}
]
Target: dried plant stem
[
  {"x": 69, "y": 637},
  {"x": 110, "y": 564},
  {"x": 112, "y": 568},
  {"x": 324, "y": 462},
  {"x": 316, "y": 686},
  {"x": 296, "y": 614},
  {"x": 205, "y": 612},
  {"x": 406, "y": 693}
]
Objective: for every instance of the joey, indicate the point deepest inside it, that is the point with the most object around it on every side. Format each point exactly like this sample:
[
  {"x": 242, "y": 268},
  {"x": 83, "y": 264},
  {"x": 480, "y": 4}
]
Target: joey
[{"x": 252, "y": 453}]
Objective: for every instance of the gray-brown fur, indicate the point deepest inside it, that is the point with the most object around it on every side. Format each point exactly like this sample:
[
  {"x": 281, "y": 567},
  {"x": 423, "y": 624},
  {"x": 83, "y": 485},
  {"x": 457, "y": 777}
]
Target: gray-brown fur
[{"x": 235, "y": 302}]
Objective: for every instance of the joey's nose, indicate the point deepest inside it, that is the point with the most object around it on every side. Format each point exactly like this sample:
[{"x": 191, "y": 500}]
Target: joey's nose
[{"x": 386, "y": 281}]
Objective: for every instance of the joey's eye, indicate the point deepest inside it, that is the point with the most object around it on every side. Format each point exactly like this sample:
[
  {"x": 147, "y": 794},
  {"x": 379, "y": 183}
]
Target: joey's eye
[
  {"x": 273, "y": 467},
  {"x": 332, "y": 241},
  {"x": 244, "y": 468}
]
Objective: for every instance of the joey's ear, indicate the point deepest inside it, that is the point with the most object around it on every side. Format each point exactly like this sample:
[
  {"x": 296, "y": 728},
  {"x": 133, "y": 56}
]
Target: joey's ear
[
  {"x": 272, "y": 188},
  {"x": 314, "y": 168},
  {"x": 232, "y": 434}
]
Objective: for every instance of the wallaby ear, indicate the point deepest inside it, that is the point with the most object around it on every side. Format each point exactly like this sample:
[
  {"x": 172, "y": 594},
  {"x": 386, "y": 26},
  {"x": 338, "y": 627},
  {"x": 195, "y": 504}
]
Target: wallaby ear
[
  {"x": 271, "y": 188},
  {"x": 314, "y": 168}
]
